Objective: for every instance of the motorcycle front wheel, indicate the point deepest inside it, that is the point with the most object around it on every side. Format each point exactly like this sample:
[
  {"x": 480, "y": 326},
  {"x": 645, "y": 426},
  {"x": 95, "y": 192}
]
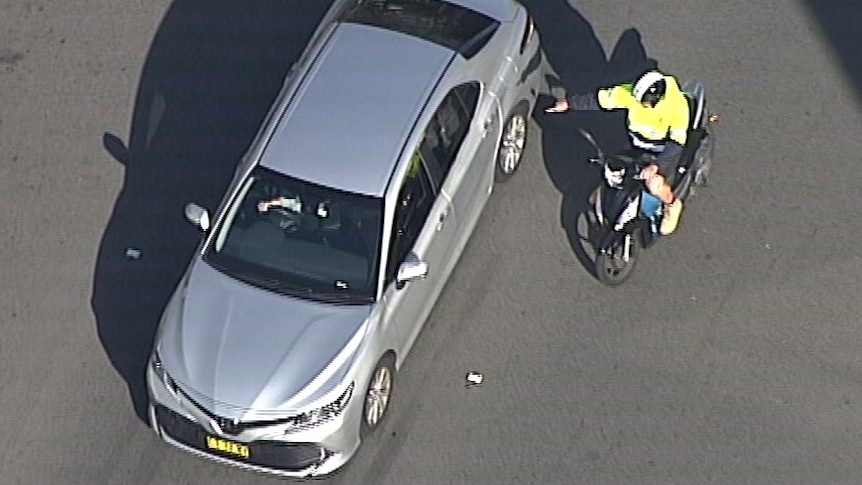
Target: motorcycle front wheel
[{"x": 615, "y": 265}]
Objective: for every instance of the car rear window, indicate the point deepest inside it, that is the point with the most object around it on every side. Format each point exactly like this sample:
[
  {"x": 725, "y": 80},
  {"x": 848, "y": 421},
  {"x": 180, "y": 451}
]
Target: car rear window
[{"x": 452, "y": 26}]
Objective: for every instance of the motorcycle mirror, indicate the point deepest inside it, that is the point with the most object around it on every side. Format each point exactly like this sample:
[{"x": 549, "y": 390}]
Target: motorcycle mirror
[{"x": 600, "y": 155}]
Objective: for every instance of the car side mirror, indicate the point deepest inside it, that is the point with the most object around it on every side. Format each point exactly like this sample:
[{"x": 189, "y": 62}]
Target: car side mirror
[
  {"x": 411, "y": 269},
  {"x": 198, "y": 216}
]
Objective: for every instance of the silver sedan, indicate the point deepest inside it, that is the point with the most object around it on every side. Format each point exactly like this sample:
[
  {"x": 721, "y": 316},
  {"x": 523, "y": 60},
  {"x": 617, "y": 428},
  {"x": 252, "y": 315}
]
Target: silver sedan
[{"x": 279, "y": 348}]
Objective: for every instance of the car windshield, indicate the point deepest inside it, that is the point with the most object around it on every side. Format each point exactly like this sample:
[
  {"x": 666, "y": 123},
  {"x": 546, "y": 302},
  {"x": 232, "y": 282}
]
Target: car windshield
[
  {"x": 440, "y": 22},
  {"x": 301, "y": 239}
]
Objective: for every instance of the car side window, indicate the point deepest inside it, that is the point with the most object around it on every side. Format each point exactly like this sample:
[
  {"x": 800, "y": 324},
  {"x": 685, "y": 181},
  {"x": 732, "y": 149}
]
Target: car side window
[
  {"x": 468, "y": 94},
  {"x": 415, "y": 200},
  {"x": 449, "y": 126}
]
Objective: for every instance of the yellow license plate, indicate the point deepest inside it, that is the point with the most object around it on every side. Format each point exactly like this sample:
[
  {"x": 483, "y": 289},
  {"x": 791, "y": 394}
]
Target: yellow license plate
[{"x": 229, "y": 447}]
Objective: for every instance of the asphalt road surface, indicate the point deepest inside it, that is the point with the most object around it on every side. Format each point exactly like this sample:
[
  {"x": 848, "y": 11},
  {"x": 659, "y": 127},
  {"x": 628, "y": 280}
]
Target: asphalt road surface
[{"x": 731, "y": 357}]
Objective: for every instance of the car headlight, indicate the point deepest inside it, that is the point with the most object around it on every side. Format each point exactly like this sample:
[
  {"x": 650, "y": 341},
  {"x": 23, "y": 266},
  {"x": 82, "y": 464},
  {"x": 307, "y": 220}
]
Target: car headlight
[
  {"x": 316, "y": 417},
  {"x": 156, "y": 364},
  {"x": 160, "y": 372}
]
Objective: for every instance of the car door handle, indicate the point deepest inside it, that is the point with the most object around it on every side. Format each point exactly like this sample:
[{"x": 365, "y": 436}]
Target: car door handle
[
  {"x": 486, "y": 125},
  {"x": 442, "y": 219}
]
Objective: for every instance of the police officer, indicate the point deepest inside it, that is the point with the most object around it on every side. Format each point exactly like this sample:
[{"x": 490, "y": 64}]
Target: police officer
[{"x": 658, "y": 122}]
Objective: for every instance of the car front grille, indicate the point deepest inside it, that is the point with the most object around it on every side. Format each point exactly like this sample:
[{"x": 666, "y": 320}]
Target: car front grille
[
  {"x": 269, "y": 454},
  {"x": 230, "y": 426}
]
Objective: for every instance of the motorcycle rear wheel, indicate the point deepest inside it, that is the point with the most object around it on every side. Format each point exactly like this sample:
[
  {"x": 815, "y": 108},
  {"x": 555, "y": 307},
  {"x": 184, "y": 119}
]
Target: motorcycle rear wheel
[{"x": 611, "y": 268}]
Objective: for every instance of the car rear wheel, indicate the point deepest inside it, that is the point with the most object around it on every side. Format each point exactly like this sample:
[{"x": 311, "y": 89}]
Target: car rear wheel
[
  {"x": 512, "y": 144},
  {"x": 378, "y": 395}
]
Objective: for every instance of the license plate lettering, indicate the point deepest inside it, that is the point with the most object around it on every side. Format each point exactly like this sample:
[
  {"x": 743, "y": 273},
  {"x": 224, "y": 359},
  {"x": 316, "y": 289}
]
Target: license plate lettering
[{"x": 228, "y": 447}]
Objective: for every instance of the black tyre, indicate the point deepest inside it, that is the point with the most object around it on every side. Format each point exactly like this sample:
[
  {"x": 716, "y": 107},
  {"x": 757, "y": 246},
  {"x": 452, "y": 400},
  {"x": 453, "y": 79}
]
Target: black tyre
[
  {"x": 513, "y": 142},
  {"x": 378, "y": 395},
  {"x": 612, "y": 269}
]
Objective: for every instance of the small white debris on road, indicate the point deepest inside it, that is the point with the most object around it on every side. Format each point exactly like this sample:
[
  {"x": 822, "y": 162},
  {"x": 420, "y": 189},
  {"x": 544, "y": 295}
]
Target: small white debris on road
[{"x": 474, "y": 378}]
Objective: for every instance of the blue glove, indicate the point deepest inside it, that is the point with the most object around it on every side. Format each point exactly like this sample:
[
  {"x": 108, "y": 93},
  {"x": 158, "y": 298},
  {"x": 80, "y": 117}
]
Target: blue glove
[{"x": 584, "y": 102}]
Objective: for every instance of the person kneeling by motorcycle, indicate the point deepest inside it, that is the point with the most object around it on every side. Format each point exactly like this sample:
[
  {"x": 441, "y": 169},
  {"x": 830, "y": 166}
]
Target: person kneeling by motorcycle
[{"x": 658, "y": 119}]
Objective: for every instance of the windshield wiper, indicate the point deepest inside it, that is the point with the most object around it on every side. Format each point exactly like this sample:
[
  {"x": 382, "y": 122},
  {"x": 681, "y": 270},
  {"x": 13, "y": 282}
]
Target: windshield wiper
[
  {"x": 273, "y": 284},
  {"x": 290, "y": 289},
  {"x": 343, "y": 298}
]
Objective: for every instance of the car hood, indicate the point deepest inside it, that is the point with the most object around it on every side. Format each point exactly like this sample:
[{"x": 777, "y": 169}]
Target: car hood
[{"x": 237, "y": 350}]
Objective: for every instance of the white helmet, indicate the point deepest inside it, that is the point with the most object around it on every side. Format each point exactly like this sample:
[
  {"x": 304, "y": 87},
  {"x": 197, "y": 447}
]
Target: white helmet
[{"x": 650, "y": 87}]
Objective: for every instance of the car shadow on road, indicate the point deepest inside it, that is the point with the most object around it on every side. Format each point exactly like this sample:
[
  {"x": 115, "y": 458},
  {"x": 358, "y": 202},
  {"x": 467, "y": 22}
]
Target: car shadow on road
[
  {"x": 577, "y": 63},
  {"x": 841, "y": 24},
  {"x": 212, "y": 72}
]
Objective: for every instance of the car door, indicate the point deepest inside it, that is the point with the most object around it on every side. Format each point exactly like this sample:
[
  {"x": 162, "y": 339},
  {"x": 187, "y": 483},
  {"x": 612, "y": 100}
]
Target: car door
[
  {"x": 423, "y": 230},
  {"x": 459, "y": 150},
  {"x": 488, "y": 123}
]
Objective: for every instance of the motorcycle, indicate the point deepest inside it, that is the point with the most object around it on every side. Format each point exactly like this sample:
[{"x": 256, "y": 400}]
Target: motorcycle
[{"x": 625, "y": 217}]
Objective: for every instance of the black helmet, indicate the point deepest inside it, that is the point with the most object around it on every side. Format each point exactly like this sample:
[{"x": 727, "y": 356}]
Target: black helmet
[{"x": 650, "y": 87}]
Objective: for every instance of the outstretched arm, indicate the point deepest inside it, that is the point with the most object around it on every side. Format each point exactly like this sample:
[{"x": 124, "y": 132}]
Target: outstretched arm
[
  {"x": 576, "y": 102},
  {"x": 292, "y": 204},
  {"x": 616, "y": 97}
]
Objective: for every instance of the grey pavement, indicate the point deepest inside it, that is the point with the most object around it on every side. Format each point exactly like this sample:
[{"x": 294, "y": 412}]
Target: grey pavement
[{"x": 731, "y": 357}]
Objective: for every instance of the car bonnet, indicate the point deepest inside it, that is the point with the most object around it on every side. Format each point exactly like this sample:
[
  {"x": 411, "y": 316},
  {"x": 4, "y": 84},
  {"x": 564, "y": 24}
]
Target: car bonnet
[{"x": 236, "y": 349}]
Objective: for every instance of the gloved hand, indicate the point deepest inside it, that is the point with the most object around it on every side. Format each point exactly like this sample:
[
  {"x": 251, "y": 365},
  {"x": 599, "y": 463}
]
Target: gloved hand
[
  {"x": 584, "y": 102},
  {"x": 578, "y": 102}
]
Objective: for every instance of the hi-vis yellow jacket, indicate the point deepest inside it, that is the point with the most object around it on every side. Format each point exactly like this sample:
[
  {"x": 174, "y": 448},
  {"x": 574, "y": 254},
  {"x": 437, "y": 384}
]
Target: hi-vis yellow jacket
[{"x": 668, "y": 120}]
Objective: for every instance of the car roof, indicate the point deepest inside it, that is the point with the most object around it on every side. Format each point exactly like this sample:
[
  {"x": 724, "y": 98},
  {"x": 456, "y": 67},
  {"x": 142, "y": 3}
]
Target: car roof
[
  {"x": 500, "y": 10},
  {"x": 352, "y": 114}
]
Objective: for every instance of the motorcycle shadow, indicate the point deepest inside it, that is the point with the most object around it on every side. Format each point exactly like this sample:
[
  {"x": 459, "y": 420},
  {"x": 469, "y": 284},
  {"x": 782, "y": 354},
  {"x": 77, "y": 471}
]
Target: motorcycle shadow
[
  {"x": 578, "y": 63},
  {"x": 583, "y": 238}
]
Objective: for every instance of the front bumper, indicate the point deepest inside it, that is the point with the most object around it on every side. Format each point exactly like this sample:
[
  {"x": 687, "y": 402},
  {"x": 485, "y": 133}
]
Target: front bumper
[{"x": 315, "y": 452}]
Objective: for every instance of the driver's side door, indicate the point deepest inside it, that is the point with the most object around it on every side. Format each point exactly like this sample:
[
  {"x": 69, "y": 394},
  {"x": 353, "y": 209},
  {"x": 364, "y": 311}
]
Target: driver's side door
[{"x": 423, "y": 231}]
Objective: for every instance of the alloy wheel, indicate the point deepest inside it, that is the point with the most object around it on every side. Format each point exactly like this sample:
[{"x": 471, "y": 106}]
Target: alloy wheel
[
  {"x": 377, "y": 398},
  {"x": 512, "y": 144}
]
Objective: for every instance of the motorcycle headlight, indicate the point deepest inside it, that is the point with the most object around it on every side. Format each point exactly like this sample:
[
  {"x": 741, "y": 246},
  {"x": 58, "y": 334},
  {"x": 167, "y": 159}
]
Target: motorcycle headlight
[
  {"x": 614, "y": 178},
  {"x": 316, "y": 417}
]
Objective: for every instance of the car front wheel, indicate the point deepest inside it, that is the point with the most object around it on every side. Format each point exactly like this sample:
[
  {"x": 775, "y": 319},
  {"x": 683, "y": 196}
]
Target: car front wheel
[{"x": 378, "y": 395}]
